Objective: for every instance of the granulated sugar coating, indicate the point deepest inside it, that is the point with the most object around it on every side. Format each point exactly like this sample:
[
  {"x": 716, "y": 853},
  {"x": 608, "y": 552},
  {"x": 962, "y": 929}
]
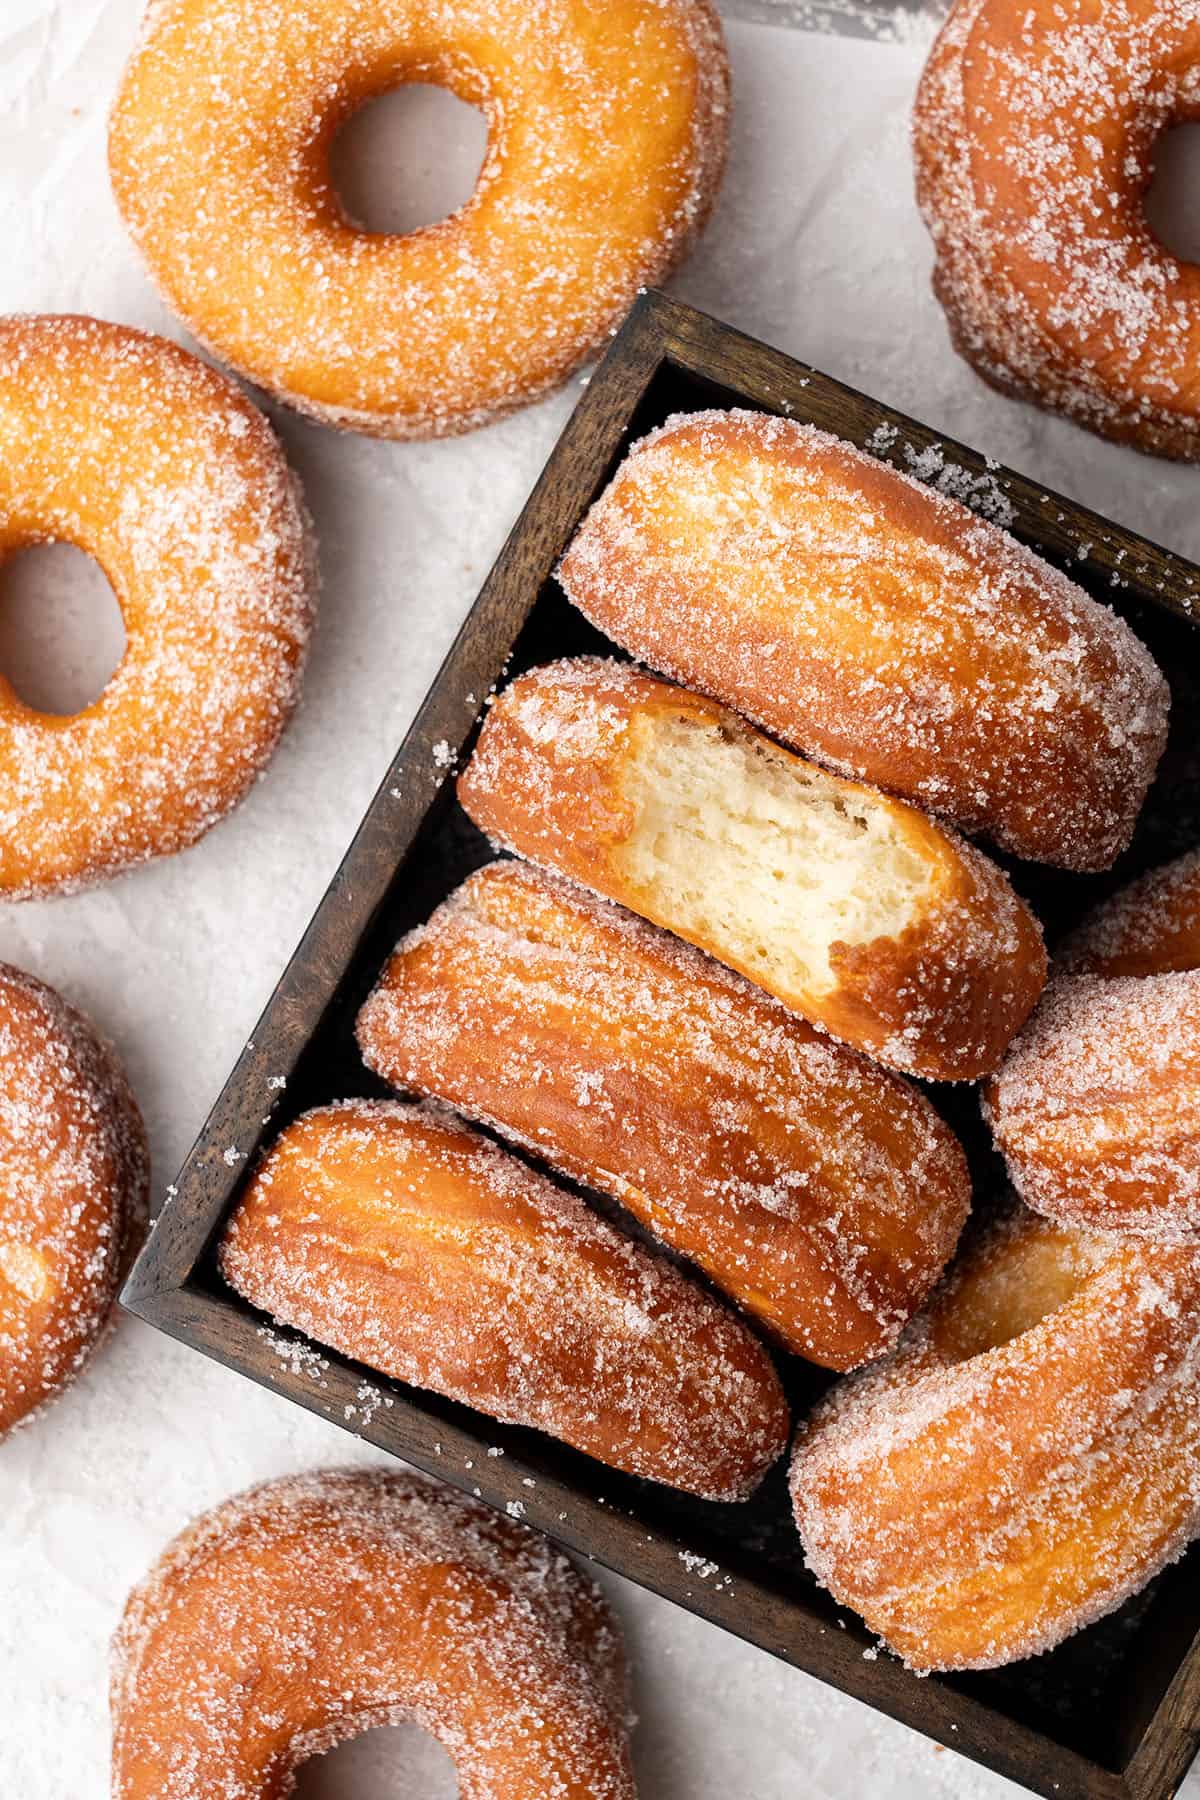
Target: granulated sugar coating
[
  {"x": 822, "y": 1194},
  {"x": 156, "y": 465},
  {"x": 853, "y": 909},
  {"x": 607, "y": 126},
  {"x": 396, "y": 1236},
  {"x": 1035, "y": 131},
  {"x": 1028, "y": 1457},
  {"x": 1150, "y": 928},
  {"x": 74, "y": 1186},
  {"x": 316, "y": 1607},
  {"x": 1097, "y": 1105},
  {"x": 879, "y": 626}
]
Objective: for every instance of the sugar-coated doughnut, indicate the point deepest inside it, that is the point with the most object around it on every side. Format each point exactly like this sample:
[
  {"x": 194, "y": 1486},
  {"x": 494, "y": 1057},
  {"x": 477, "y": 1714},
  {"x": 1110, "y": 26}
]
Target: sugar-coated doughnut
[
  {"x": 1024, "y": 1461},
  {"x": 607, "y": 125},
  {"x": 138, "y": 453},
  {"x": 1151, "y": 927},
  {"x": 879, "y": 626},
  {"x": 1096, "y": 1107},
  {"x": 74, "y": 1191},
  {"x": 401, "y": 1239},
  {"x": 821, "y": 1193},
  {"x": 853, "y": 909},
  {"x": 1035, "y": 133},
  {"x": 316, "y": 1607}
]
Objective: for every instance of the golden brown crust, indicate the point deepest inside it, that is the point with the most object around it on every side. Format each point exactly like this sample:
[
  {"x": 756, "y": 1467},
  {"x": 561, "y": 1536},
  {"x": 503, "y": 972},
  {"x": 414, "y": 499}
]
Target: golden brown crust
[
  {"x": 74, "y": 1191},
  {"x": 607, "y": 129},
  {"x": 1097, "y": 1105},
  {"x": 399, "y": 1238},
  {"x": 1151, "y": 927},
  {"x": 1034, "y": 133},
  {"x": 822, "y": 1194},
  {"x": 942, "y": 999},
  {"x": 877, "y": 625},
  {"x": 311, "y": 1609},
  {"x": 157, "y": 466},
  {"x": 1026, "y": 1459}
]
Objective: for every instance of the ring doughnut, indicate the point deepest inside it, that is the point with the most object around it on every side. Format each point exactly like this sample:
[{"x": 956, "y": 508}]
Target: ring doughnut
[
  {"x": 399, "y": 1238},
  {"x": 878, "y": 626},
  {"x": 607, "y": 132},
  {"x": 1035, "y": 133},
  {"x": 74, "y": 1175},
  {"x": 821, "y": 1193},
  {"x": 124, "y": 445},
  {"x": 1024, "y": 1461},
  {"x": 320, "y": 1606},
  {"x": 1151, "y": 927},
  {"x": 853, "y": 909}
]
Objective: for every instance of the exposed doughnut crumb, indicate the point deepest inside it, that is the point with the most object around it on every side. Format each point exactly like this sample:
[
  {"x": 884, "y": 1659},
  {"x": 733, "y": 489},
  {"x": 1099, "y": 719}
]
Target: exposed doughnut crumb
[
  {"x": 1035, "y": 132},
  {"x": 878, "y": 625},
  {"x": 1097, "y": 1105},
  {"x": 313, "y": 1608},
  {"x": 396, "y": 1236},
  {"x": 607, "y": 127},
  {"x": 820, "y": 1193},
  {"x": 1028, "y": 1457},
  {"x": 74, "y": 1181},
  {"x": 157, "y": 466}
]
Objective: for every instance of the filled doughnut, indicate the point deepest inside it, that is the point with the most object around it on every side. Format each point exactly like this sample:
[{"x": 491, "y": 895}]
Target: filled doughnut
[
  {"x": 1151, "y": 927},
  {"x": 399, "y": 1238},
  {"x": 1035, "y": 134},
  {"x": 853, "y": 909},
  {"x": 316, "y": 1607},
  {"x": 74, "y": 1191},
  {"x": 1096, "y": 1107},
  {"x": 878, "y": 626},
  {"x": 1024, "y": 1461},
  {"x": 819, "y": 1192},
  {"x": 607, "y": 125},
  {"x": 158, "y": 467}
]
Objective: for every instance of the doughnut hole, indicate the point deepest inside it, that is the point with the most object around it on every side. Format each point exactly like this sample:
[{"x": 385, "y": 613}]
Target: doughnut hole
[
  {"x": 1034, "y": 1271},
  {"x": 407, "y": 158},
  {"x": 62, "y": 636},
  {"x": 393, "y": 1762},
  {"x": 1171, "y": 210}
]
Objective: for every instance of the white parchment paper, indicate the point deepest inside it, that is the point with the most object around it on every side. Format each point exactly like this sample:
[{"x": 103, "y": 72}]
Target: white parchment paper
[{"x": 817, "y": 247}]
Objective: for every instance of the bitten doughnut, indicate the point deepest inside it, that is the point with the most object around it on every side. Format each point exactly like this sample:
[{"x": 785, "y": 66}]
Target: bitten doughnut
[
  {"x": 405, "y": 1241},
  {"x": 822, "y": 1194},
  {"x": 1026, "y": 1459},
  {"x": 1035, "y": 134},
  {"x": 320, "y": 1606},
  {"x": 853, "y": 909},
  {"x": 1151, "y": 927},
  {"x": 74, "y": 1191},
  {"x": 607, "y": 125},
  {"x": 1097, "y": 1105},
  {"x": 878, "y": 626},
  {"x": 158, "y": 467}
]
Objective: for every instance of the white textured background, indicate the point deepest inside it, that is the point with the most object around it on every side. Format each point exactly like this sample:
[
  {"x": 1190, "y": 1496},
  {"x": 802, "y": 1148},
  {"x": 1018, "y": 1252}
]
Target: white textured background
[{"x": 817, "y": 247}]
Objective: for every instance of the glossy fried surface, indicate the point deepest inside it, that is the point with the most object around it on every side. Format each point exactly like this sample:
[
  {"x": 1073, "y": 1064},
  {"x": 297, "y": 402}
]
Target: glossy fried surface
[
  {"x": 878, "y": 625},
  {"x": 822, "y": 1194},
  {"x": 1151, "y": 927},
  {"x": 323, "y": 1605},
  {"x": 607, "y": 126},
  {"x": 400, "y": 1238},
  {"x": 853, "y": 909},
  {"x": 157, "y": 466},
  {"x": 74, "y": 1188},
  {"x": 1025, "y": 1460},
  {"x": 1035, "y": 132}
]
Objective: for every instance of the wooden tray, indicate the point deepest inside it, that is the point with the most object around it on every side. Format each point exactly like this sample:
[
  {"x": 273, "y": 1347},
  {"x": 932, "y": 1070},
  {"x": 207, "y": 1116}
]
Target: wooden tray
[{"x": 1113, "y": 1712}]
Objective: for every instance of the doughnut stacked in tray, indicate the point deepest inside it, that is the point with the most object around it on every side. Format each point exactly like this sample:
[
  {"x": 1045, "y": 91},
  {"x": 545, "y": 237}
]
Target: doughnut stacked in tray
[{"x": 738, "y": 926}]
